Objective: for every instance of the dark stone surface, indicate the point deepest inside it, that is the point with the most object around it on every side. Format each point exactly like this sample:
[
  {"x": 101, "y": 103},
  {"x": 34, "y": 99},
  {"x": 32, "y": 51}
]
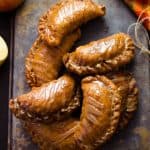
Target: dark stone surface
[{"x": 137, "y": 135}]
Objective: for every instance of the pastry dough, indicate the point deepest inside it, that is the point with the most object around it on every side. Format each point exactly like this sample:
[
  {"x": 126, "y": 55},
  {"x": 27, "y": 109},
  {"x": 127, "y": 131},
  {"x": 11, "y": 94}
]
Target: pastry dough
[
  {"x": 66, "y": 16},
  {"x": 128, "y": 90},
  {"x": 101, "y": 56},
  {"x": 52, "y": 101},
  {"x": 43, "y": 62}
]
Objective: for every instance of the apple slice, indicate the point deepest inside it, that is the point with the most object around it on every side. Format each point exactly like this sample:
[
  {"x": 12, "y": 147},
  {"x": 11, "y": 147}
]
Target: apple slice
[{"x": 3, "y": 50}]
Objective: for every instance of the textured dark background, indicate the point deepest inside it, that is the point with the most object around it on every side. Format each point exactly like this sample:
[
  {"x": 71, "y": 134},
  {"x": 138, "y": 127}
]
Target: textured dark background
[{"x": 135, "y": 137}]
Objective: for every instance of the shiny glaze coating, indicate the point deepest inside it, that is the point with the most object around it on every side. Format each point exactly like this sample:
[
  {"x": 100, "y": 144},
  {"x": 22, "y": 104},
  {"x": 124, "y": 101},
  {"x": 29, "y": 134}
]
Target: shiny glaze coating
[
  {"x": 52, "y": 136},
  {"x": 66, "y": 16},
  {"x": 128, "y": 90},
  {"x": 52, "y": 101},
  {"x": 43, "y": 62},
  {"x": 101, "y": 56},
  {"x": 100, "y": 112},
  {"x": 97, "y": 123}
]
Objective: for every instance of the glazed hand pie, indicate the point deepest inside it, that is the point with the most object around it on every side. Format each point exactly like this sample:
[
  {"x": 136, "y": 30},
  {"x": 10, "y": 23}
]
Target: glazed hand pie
[
  {"x": 129, "y": 92},
  {"x": 66, "y": 16},
  {"x": 52, "y": 101},
  {"x": 54, "y": 136},
  {"x": 100, "y": 112},
  {"x": 43, "y": 62},
  {"x": 101, "y": 56},
  {"x": 98, "y": 121}
]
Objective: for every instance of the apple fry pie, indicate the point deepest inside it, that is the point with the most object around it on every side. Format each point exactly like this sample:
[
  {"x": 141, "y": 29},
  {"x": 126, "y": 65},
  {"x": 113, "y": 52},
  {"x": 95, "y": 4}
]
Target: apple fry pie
[
  {"x": 101, "y": 56},
  {"x": 43, "y": 62},
  {"x": 66, "y": 16},
  {"x": 129, "y": 92},
  {"x": 52, "y": 101}
]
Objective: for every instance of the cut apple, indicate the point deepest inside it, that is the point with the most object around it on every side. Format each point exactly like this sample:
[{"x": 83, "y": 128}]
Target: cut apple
[{"x": 3, "y": 50}]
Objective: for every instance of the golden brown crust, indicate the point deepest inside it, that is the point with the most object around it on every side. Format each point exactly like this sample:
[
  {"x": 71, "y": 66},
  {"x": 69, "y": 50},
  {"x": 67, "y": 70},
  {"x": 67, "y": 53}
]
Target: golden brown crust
[
  {"x": 100, "y": 112},
  {"x": 101, "y": 56},
  {"x": 52, "y": 101},
  {"x": 128, "y": 90},
  {"x": 47, "y": 136},
  {"x": 43, "y": 62},
  {"x": 66, "y": 16},
  {"x": 97, "y": 123}
]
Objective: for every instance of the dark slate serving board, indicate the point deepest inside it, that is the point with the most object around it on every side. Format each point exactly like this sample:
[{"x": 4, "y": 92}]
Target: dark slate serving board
[{"x": 137, "y": 135}]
